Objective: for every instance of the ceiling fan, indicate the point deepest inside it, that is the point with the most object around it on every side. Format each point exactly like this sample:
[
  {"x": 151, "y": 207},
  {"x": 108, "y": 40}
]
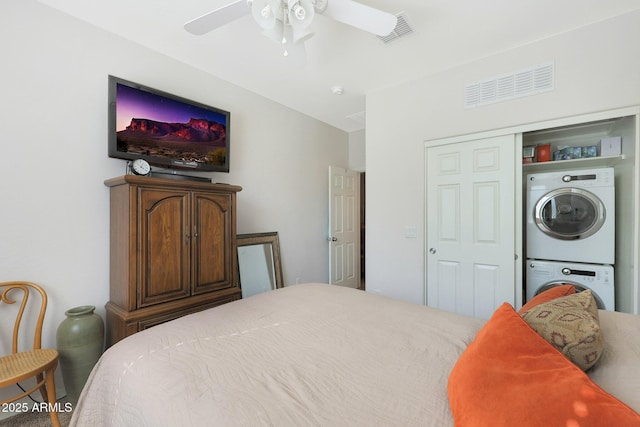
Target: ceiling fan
[{"x": 288, "y": 20}]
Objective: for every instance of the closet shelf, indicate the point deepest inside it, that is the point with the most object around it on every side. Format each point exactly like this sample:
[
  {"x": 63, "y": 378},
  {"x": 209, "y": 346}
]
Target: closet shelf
[{"x": 591, "y": 162}]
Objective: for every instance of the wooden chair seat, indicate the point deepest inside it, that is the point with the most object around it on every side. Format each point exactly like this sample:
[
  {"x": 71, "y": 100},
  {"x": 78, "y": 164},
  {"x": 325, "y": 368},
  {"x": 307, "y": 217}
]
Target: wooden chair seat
[{"x": 27, "y": 364}]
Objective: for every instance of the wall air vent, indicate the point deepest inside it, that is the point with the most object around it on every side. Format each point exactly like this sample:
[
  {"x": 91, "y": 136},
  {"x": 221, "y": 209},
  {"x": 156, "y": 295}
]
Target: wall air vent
[
  {"x": 402, "y": 29},
  {"x": 530, "y": 81}
]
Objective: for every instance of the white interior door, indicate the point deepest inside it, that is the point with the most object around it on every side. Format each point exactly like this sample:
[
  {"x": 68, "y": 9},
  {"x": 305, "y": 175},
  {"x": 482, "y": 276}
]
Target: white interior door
[
  {"x": 471, "y": 212},
  {"x": 344, "y": 227}
]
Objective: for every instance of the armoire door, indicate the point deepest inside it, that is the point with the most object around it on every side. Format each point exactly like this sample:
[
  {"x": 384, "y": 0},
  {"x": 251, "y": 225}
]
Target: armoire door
[
  {"x": 471, "y": 225},
  {"x": 164, "y": 236},
  {"x": 212, "y": 243}
]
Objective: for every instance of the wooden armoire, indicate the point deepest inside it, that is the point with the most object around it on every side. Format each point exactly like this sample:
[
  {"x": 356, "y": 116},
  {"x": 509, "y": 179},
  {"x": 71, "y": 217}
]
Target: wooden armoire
[{"x": 172, "y": 251}]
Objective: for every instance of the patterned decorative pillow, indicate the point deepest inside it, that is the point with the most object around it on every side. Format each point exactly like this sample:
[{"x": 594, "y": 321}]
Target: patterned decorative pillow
[
  {"x": 548, "y": 295},
  {"x": 571, "y": 324}
]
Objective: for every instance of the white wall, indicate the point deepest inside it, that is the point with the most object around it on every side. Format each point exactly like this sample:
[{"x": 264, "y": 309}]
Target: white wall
[
  {"x": 597, "y": 68},
  {"x": 54, "y": 221},
  {"x": 357, "y": 151}
]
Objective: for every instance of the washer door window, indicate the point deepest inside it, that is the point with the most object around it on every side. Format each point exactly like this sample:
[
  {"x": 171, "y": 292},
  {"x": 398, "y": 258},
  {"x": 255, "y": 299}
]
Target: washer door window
[
  {"x": 579, "y": 288},
  {"x": 569, "y": 214}
]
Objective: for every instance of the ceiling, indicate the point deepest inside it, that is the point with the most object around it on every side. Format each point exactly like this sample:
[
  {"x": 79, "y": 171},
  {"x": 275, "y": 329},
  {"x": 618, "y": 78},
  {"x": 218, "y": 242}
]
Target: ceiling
[{"x": 446, "y": 33}]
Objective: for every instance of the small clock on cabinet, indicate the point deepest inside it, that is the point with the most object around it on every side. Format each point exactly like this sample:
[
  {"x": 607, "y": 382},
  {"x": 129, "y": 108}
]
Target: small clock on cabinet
[{"x": 140, "y": 167}]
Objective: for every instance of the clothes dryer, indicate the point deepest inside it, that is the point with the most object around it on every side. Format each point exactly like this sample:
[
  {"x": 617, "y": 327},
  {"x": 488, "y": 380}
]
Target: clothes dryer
[
  {"x": 571, "y": 216},
  {"x": 543, "y": 275}
]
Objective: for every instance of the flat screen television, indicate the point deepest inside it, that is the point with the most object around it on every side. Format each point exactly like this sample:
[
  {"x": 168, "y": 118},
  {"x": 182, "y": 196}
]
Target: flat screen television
[{"x": 166, "y": 130}]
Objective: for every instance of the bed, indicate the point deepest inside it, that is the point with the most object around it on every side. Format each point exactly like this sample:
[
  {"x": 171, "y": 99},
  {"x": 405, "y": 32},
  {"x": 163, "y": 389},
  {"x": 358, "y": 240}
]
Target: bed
[{"x": 313, "y": 355}]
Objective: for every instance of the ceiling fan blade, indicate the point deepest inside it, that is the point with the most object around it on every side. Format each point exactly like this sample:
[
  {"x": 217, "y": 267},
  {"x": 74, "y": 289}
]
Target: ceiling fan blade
[
  {"x": 217, "y": 18},
  {"x": 361, "y": 16}
]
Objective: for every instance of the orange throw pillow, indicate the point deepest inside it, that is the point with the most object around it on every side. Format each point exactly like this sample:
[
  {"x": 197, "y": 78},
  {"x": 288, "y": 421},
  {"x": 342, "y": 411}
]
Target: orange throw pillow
[
  {"x": 548, "y": 295},
  {"x": 511, "y": 376}
]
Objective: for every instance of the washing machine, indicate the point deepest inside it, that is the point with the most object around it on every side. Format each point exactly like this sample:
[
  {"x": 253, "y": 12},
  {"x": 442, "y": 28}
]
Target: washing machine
[
  {"x": 571, "y": 216},
  {"x": 543, "y": 275}
]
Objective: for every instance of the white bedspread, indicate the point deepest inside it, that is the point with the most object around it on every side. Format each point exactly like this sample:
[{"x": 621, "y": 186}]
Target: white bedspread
[
  {"x": 306, "y": 355},
  {"x": 303, "y": 355}
]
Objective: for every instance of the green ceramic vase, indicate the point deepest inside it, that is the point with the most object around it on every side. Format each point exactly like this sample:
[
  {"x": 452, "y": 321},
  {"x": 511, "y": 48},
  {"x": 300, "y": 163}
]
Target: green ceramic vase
[{"x": 80, "y": 341}]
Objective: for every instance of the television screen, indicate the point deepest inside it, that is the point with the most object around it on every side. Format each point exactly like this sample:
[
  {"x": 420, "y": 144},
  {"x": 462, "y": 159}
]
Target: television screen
[{"x": 166, "y": 130}]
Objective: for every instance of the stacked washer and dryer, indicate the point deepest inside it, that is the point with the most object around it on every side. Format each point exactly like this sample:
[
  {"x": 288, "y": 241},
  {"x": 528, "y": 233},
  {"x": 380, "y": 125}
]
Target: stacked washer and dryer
[{"x": 570, "y": 232}]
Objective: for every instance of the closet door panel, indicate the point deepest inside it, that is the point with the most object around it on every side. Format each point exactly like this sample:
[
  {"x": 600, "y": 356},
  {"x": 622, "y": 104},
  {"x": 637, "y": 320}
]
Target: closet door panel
[{"x": 471, "y": 225}]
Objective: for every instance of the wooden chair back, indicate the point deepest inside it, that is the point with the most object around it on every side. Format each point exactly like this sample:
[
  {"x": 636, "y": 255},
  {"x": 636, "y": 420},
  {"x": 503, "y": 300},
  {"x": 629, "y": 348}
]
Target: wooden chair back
[{"x": 19, "y": 292}]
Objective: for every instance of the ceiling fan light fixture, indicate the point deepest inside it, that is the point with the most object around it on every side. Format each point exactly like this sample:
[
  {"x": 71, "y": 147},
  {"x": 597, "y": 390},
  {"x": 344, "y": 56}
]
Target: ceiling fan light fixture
[
  {"x": 319, "y": 5},
  {"x": 299, "y": 12},
  {"x": 301, "y": 35},
  {"x": 264, "y": 13}
]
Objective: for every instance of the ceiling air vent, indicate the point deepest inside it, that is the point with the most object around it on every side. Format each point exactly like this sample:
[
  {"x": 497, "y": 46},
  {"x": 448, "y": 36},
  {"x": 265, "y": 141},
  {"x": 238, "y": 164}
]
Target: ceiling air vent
[
  {"x": 402, "y": 29},
  {"x": 527, "y": 82}
]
